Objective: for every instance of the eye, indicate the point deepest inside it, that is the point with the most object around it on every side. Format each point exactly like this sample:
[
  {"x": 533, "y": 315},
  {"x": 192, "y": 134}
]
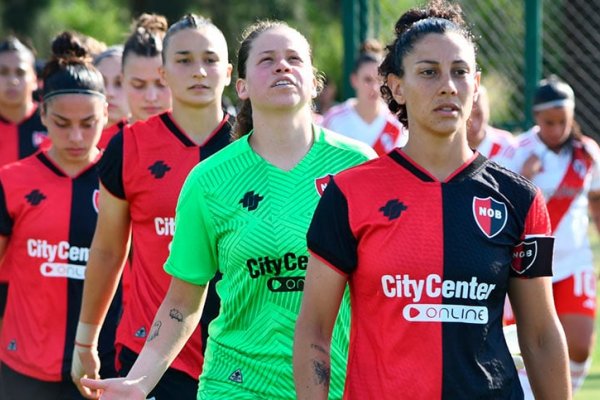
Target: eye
[
  {"x": 160, "y": 84},
  {"x": 461, "y": 72},
  {"x": 61, "y": 124},
  {"x": 183, "y": 61},
  {"x": 428, "y": 72},
  {"x": 266, "y": 59},
  {"x": 138, "y": 85},
  {"x": 118, "y": 82}
]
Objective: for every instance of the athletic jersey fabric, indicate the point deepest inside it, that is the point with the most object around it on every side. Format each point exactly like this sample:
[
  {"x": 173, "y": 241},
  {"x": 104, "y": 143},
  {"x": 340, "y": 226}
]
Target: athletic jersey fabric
[
  {"x": 22, "y": 139},
  {"x": 50, "y": 219},
  {"x": 383, "y": 134},
  {"x": 109, "y": 132},
  {"x": 428, "y": 264},
  {"x": 495, "y": 141},
  {"x": 146, "y": 165},
  {"x": 243, "y": 216},
  {"x": 572, "y": 251}
]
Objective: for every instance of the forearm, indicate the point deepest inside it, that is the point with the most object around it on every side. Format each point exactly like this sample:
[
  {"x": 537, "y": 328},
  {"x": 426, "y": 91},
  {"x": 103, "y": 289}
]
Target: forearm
[
  {"x": 175, "y": 321},
  {"x": 546, "y": 361},
  {"x": 312, "y": 363},
  {"x": 594, "y": 207}
]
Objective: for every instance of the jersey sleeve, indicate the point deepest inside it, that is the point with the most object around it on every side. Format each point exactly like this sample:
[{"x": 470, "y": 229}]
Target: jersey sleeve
[
  {"x": 329, "y": 236},
  {"x": 193, "y": 255},
  {"x": 532, "y": 257},
  {"x": 6, "y": 222},
  {"x": 110, "y": 167},
  {"x": 593, "y": 150}
]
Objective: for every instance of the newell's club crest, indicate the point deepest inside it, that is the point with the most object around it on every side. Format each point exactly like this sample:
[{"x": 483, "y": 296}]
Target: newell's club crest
[
  {"x": 96, "y": 199},
  {"x": 490, "y": 215},
  {"x": 322, "y": 183},
  {"x": 524, "y": 255}
]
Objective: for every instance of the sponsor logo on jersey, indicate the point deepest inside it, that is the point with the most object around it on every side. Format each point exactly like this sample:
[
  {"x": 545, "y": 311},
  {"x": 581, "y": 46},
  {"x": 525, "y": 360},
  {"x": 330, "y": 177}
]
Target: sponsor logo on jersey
[
  {"x": 524, "y": 255},
  {"x": 159, "y": 169},
  {"x": 164, "y": 226},
  {"x": 236, "y": 376},
  {"x": 322, "y": 182},
  {"x": 262, "y": 266},
  {"x": 580, "y": 168},
  {"x": 61, "y": 260},
  {"x": 250, "y": 200},
  {"x": 96, "y": 199},
  {"x": 490, "y": 215},
  {"x": 59, "y": 270},
  {"x": 35, "y": 197},
  {"x": 393, "y": 209},
  {"x": 38, "y": 137},
  {"x": 434, "y": 287}
]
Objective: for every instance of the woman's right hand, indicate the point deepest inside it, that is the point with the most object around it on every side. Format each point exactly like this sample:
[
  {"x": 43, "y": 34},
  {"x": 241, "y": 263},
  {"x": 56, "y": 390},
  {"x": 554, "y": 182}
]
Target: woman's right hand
[
  {"x": 85, "y": 364},
  {"x": 116, "y": 388},
  {"x": 531, "y": 167}
]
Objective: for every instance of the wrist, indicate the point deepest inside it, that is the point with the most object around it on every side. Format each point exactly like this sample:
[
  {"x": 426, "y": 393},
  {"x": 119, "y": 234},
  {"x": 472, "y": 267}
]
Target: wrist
[{"x": 87, "y": 335}]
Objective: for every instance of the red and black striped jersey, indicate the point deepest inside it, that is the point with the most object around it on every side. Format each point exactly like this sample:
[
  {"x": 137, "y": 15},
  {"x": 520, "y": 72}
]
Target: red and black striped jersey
[
  {"x": 22, "y": 139},
  {"x": 146, "y": 165},
  {"x": 50, "y": 219},
  {"x": 428, "y": 264},
  {"x": 109, "y": 132}
]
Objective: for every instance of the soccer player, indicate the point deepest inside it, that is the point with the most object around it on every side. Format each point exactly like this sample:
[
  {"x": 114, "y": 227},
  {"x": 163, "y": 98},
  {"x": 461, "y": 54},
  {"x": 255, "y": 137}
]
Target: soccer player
[
  {"x": 48, "y": 211},
  {"x": 430, "y": 239},
  {"x": 487, "y": 140},
  {"x": 141, "y": 174},
  {"x": 109, "y": 64},
  {"x": 245, "y": 212},
  {"x": 565, "y": 165},
  {"x": 21, "y": 130},
  {"x": 366, "y": 117}
]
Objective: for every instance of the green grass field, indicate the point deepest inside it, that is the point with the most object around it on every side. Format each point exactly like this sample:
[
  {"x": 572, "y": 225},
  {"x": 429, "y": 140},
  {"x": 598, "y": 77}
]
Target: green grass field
[{"x": 591, "y": 387}]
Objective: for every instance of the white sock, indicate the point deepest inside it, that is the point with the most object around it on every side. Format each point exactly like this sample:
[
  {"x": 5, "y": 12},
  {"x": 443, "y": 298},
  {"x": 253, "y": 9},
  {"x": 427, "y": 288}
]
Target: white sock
[{"x": 579, "y": 370}]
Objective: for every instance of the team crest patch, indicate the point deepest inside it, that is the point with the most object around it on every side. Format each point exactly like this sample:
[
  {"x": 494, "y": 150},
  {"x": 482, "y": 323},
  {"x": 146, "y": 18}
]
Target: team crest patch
[
  {"x": 524, "y": 255},
  {"x": 38, "y": 137},
  {"x": 490, "y": 215},
  {"x": 96, "y": 199},
  {"x": 322, "y": 182}
]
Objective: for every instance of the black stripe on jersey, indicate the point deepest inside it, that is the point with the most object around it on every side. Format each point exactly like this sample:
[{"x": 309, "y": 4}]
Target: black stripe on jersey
[
  {"x": 6, "y": 222},
  {"x": 46, "y": 161},
  {"x": 219, "y": 138},
  {"x": 26, "y": 134},
  {"x": 110, "y": 167},
  {"x": 183, "y": 138},
  {"x": 399, "y": 158}
]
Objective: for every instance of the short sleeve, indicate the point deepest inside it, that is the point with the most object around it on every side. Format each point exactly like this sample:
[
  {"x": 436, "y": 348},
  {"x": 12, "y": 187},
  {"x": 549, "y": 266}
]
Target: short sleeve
[
  {"x": 193, "y": 256},
  {"x": 593, "y": 150},
  {"x": 532, "y": 257},
  {"x": 110, "y": 167},
  {"x": 6, "y": 222},
  {"x": 330, "y": 236}
]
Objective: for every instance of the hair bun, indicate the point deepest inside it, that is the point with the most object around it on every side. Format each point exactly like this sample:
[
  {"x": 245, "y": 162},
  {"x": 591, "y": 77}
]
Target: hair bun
[{"x": 66, "y": 45}]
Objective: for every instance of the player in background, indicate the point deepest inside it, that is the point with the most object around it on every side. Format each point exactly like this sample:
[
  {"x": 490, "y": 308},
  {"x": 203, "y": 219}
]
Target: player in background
[
  {"x": 430, "y": 239},
  {"x": 366, "y": 117},
  {"x": 141, "y": 174},
  {"x": 21, "y": 129},
  {"x": 245, "y": 212},
  {"x": 109, "y": 64},
  {"x": 565, "y": 165},
  {"x": 483, "y": 137},
  {"x": 48, "y": 211}
]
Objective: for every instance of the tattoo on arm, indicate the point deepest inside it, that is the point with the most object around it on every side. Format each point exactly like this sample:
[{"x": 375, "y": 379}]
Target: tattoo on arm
[
  {"x": 154, "y": 331},
  {"x": 320, "y": 349},
  {"x": 176, "y": 315},
  {"x": 321, "y": 372}
]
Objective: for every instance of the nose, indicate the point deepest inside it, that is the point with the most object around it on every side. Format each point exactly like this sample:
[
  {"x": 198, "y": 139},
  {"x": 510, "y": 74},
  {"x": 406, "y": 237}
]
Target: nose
[
  {"x": 151, "y": 93},
  {"x": 282, "y": 65},
  {"x": 200, "y": 71},
  {"x": 76, "y": 134},
  {"x": 448, "y": 86}
]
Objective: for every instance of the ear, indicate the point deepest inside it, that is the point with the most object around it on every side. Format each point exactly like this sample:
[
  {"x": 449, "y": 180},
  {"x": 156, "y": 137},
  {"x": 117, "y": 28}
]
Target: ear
[
  {"x": 477, "y": 83},
  {"x": 162, "y": 73},
  {"x": 314, "y": 93},
  {"x": 396, "y": 85},
  {"x": 229, "y": 72},
  {"x": 241, "y": 89}
]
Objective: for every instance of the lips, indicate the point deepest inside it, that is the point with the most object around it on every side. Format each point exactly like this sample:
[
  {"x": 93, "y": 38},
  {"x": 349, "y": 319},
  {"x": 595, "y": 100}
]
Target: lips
[
  {"x": 447, "y": 107},
  {"x": 285, "y": 82}
]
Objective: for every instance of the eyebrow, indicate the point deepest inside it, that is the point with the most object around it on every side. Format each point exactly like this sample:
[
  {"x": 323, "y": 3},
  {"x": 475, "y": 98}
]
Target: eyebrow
[
  {"x": 89, "y": 117},
  {"x": 437, "y": 63},
  {"x": 188, "y": 52}
]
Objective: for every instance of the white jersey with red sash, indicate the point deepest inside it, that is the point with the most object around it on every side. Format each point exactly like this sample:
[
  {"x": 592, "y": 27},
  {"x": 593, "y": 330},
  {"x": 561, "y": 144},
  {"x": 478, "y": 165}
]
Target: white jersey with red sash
[
  {"x": 494, "y": 141},
  {"x": 566, "y": 179},
  {"x": 383, "y": 134}
]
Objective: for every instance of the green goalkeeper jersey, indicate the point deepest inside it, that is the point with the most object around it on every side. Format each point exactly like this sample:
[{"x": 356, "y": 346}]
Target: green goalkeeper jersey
[{"x": 239, "y": 214}]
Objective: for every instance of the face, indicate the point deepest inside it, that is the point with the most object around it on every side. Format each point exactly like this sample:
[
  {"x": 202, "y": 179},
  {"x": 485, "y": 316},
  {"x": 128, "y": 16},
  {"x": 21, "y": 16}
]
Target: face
[
  {"x": 17, "y": 78},
  {"x": 110, "y": 68},
  {"x": 480, "y": 115},
  {"x": 196, "y": 67},
  {"x": 555, "y": 125},
  {"x": 146, "y": 92},
  {"x": 74, "y": 123},
  {"x": 279, "y": 72},
  {"x": 366, "y": 82},
  {"x": 439, "y": 83}
]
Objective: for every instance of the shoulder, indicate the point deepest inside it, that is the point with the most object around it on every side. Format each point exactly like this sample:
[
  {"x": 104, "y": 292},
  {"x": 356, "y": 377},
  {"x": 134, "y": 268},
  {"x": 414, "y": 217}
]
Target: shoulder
[
  {"x": 345, "y": 144},
  {"x": 338, "y": 111},
  {"x": 507, "y": 181}
]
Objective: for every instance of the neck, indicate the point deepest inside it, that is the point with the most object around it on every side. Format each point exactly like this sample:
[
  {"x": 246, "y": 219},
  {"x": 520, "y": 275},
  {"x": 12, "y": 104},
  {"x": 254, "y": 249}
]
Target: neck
[
  {"x": 439, "y": 155},
  {"x": 197, "y": 122},
  {"x": 281, "y": 140},
  {"x": 16, "y": 114},
  {"x": 368, "y": 110},
  {"x": 72, "y": 167}
]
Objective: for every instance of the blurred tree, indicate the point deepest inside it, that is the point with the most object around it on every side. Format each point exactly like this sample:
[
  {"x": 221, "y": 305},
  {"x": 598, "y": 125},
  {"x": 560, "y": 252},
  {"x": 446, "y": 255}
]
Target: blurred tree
[{"x": 18, "y": 16}]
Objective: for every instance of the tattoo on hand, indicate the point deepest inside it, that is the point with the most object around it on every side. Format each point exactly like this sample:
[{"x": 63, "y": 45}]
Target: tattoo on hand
[
  {"x": 154, "y": 332},
  {"x": 176, "y": 315},
  {"x": 321, "y": 372}
]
